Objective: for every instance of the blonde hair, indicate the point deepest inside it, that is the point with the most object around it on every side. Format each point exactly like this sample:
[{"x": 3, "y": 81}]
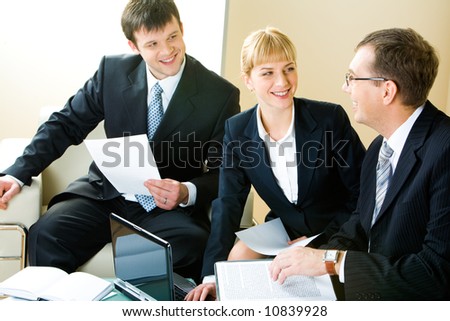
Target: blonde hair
[{"x": 266, "y": 45}]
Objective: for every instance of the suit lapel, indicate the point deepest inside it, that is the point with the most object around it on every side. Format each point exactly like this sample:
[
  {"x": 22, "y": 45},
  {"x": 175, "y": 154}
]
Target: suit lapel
[
  {"x": 306, "y": 138},
  {"x": 408, "y": 158},
  {"x": 368, "y": 183},
  {"x": 135, "y": 98},
  {"x": 265, "y": 173},
  {"x": 180, "y": 106}
]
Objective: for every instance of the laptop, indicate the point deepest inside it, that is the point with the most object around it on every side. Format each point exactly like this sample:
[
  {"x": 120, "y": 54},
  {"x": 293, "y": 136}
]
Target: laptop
[{"x": 143, "y": 264}]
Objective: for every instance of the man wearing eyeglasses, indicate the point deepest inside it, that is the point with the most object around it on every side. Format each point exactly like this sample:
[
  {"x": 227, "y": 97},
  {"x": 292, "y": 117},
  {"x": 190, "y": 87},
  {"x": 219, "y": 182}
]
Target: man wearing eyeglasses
[{"x": 396, "y": 246}]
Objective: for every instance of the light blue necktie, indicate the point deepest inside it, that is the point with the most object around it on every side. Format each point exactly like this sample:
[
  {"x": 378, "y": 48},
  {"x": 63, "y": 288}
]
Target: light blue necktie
[
  {"x": 384, "y": 173},
  {"x": 154, "y": 115}
]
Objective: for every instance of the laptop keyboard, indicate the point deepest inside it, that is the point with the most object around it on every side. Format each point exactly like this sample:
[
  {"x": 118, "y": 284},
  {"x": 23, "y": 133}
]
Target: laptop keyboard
[
  {"x": 179, "y": 294},
  {"x": 182, "y": 286}
]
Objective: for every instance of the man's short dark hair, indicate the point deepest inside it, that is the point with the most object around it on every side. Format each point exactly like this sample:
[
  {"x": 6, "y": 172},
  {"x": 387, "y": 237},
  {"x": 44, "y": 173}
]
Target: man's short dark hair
[
  {"x": 405, "y": 57},
  {"x": 147, "y": 14}
]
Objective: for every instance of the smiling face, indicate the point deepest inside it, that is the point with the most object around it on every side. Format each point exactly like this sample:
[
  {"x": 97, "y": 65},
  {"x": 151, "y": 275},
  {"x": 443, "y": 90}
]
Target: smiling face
[
  {"x": 366, "y": 96},
  {"x": 162, "y": 49},
  {"x": 274, "y": 84}
]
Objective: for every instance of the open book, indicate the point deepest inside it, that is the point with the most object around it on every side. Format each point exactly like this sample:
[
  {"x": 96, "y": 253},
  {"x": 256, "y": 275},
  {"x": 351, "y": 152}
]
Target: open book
[
  {"x": 53, "y": 284},
  {"x": 250, "y": 280}
]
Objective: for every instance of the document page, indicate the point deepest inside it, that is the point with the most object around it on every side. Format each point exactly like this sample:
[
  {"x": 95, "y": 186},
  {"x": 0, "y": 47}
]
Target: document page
[
  {"x": 269, "y": 238},
  {"x": 125, "y": 161},
  {"x": 250, "y": 280}
]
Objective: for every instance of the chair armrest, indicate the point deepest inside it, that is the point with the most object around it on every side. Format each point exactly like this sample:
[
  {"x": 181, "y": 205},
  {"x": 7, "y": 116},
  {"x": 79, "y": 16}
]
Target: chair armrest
[
  {"x": 247, "y": 219},
  {"x": 247, "y": 216},
  {"x": 25, "y": 207}
]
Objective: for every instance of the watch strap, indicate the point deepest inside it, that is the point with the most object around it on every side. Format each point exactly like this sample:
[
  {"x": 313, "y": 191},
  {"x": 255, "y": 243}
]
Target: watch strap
[{"x": 330, "y": 266}]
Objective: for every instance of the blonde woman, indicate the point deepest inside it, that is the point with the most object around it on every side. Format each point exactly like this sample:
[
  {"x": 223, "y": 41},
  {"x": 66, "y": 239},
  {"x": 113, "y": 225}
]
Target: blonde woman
[{"x": 302, "y": 157}]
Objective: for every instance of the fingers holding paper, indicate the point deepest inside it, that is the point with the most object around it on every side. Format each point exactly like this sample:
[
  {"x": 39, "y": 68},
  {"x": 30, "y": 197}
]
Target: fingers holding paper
[
  {"x": 167, "y": 193},
  {"x": 297, "y": 261},
  {"x": 299, "y": 239}
]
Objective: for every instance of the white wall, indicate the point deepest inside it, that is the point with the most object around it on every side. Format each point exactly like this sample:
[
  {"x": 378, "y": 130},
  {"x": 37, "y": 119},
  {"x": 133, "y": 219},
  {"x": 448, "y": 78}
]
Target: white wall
[
  {"x": 203, "y": 22},
  {"x": 49, "y": 48}
]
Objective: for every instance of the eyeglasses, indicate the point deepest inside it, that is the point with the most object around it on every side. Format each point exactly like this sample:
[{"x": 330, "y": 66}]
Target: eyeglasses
[{"x": 349, "y": 78}]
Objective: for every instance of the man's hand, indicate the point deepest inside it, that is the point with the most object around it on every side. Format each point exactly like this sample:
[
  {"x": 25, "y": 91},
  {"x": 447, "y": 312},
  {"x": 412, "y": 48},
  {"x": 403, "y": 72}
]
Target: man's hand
[
  {"x": 167, "y": 193},
  {"x": 8, "y": 189},
  {"x": 202, "y": 292},
  {"x": 297, "y": 261}
]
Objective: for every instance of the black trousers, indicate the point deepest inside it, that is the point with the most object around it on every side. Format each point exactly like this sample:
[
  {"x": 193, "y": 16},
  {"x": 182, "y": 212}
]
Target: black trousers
[{"x": 74, "y": 230}]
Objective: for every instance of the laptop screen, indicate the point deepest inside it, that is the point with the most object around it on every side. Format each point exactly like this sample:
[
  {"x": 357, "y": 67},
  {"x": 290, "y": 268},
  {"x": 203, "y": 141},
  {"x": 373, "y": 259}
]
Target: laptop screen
[{"x": 142, "y": 259}]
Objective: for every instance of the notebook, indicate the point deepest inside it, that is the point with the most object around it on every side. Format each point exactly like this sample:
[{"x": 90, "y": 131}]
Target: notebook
[{"x": 143, "y": 264}]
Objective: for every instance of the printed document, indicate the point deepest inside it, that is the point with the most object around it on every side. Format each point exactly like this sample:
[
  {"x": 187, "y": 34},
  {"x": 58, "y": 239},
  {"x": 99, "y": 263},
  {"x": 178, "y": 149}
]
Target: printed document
[
  {"x": 250, "y": 280},
  {"x": 269, "y": 238},
  {"x": 125, "y": 161}
]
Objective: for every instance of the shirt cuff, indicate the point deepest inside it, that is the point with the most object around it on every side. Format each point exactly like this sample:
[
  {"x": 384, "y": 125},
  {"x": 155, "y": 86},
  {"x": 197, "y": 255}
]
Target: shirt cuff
[
  {"x": 341, "y": 268},
  {"x": 17, "y": 180},
  {"x": 209, "y": 279},
  {"x": 192, "y": 194}
]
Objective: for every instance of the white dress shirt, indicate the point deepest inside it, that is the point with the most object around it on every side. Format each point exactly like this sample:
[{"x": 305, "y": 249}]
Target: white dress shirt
[{"x": 283, "y": 157}]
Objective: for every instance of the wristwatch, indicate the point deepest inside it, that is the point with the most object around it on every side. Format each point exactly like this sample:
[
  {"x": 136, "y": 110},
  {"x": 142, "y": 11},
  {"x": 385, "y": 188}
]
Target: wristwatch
[{"x": 330, "y": 258}]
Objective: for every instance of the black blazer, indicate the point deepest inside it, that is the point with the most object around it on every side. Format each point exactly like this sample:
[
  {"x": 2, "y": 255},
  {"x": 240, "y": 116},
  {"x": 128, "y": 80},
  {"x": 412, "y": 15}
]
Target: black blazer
[
  {"x": 329, "y": 156},
  {"x": 409, "y": 255},
  {"x": 190, "y": 133}
]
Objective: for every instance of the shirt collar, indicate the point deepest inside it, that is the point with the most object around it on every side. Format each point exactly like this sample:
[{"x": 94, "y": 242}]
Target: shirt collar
[
  {"x": 398, "y": 138},
  {"x": 263, "y": 133},
  {"x": 168, "y": 84}
]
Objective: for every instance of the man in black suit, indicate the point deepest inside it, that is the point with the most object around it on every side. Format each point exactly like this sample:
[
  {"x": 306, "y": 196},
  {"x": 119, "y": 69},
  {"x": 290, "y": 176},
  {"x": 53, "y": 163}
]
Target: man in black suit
[
  {"x": 186, "y": 145},
  {"x": 396, "y": 245}
]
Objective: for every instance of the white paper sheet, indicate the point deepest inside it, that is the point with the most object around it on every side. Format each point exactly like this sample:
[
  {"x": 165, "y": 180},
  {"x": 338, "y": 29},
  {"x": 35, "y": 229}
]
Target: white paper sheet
[
  {"x": 269, "y": 238},
  {"x": 126, "y": 162}
]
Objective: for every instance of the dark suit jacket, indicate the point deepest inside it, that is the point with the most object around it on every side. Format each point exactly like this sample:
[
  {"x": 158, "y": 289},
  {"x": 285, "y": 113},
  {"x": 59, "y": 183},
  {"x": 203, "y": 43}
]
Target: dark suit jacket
[
  {"x": 409, "y": 255},
  {"x": 329, "y": 157},
  {"x": 190, "y": 133}
]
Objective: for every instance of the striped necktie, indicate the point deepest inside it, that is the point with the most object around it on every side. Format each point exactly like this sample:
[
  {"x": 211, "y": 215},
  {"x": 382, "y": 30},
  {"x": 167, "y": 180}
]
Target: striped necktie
[
  {"x": 384, "y": 173},
  {"x": 154, "y": 115}
]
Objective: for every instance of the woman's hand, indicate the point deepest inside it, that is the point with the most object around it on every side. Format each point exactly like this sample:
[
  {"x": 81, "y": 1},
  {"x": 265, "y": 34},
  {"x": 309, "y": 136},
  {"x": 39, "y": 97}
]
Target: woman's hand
[
  {"x": 297, "y": 240},
  {"x": 202, "y": 292}
]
